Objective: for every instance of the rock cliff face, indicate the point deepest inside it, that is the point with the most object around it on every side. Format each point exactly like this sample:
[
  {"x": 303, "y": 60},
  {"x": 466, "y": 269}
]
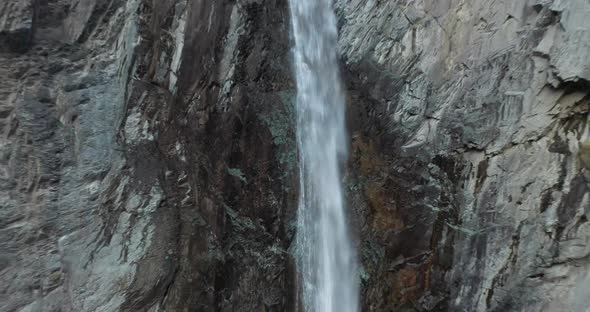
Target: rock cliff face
[
  {"x": 148, "y": 161},
  {"x": 470, "y": 123}
]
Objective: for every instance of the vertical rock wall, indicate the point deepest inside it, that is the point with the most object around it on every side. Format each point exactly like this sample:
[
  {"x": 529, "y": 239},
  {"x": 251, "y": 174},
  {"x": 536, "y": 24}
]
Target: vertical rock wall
[
  {"x": 148, "y": 162},
  {"x": 147, "y": 157},
  {"x": 470, "y": 133}
]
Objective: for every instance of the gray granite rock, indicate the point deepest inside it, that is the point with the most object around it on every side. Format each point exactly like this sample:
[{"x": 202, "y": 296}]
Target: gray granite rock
[{"x": 488, "y": 102}]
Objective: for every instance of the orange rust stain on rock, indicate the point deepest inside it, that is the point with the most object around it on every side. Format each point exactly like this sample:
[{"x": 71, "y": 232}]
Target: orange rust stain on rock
[
  {"x": 409, "y": 286},
  {"x": 366, "y": 155},
  {"x": 371, "y": 166},
  {"x": 385, "y": 210}
]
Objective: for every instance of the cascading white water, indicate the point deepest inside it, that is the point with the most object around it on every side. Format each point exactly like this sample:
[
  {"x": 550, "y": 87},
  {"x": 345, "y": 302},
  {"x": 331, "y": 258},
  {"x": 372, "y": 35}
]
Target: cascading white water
[{"x": 326, "y": 258}]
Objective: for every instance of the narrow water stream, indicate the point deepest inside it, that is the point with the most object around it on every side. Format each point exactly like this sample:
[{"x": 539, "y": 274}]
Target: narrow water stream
[{"x": 326, "y": 258}]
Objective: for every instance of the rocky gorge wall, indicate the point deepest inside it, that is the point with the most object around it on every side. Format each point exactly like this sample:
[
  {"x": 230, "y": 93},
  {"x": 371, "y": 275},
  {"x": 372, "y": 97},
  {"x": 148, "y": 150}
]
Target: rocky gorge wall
[
  {"x": 148, "y": 159},
  {"x": 470, "y": 132}
]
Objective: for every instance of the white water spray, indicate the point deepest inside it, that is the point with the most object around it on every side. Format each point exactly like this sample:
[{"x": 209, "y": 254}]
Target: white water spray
[{"x": 326, "y": 258}]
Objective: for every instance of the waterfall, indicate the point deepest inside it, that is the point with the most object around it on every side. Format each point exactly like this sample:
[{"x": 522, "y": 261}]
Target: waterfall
[{"x": 326, "y": 259}]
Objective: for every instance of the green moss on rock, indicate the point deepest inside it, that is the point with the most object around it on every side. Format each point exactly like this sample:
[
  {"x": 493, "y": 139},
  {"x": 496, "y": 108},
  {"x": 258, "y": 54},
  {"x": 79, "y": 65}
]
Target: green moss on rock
[
  {"x": 235, "y": 172},
  {"x": 280, "y": 121}
]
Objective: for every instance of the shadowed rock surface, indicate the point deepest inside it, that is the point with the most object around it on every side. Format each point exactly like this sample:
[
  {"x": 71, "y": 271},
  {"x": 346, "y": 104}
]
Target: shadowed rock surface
[{"x": 148, "y": 158}]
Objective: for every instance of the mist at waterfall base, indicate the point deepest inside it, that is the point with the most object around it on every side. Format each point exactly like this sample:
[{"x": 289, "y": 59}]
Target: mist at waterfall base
[{"x": 326, "y": 259}]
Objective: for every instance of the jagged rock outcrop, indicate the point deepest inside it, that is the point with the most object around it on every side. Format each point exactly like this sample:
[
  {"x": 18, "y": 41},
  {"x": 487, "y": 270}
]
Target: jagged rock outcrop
[
  {"x": 148, "y": 162},
  {"x": 17, "y": 24}
]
